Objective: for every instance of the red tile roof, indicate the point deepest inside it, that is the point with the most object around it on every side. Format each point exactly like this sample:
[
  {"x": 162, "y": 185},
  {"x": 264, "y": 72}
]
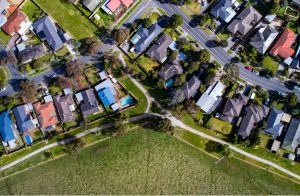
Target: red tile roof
[
  {"x": 113, "y": 5},
  {"x": 12, "y": 8},
  {"x": 46, "y": 114},
  {"x": 13, "y": 23},
  {"x": 282, "y": 47},
  {"x": 127, "y": 3}
]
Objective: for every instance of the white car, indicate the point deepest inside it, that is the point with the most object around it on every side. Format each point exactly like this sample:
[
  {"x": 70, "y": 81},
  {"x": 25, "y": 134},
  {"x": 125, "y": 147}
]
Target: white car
[
  {"x": 3, "y": 89},
  {"x": 204, "y": 3}
]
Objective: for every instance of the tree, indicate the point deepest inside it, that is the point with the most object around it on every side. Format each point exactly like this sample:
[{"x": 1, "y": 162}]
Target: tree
[
  {"x": 74, "y": 68},
  {"x": 223, "y": 43},
  {"x": 209, "y": 76},
  {"x": 74, "y": 146},
  {"x": 121, "y": 35},
  {"x": 94, "y": 48},
  {"x": 202, "y": 56},
  {"x": 28, "y": 91},
  {"x": 148, "y": 22},
  {"x": 226, "y": 151},
  {"x": 179, "y": 80},
  {"x": 36, "y": 64},
  {"x": 292, "y": 99},
  {"x": 165, "y": 125},
  {"x": 232, "y": 70},
  {"x": 161, "y": 83},
  {"x": 175, "y": 21},
  {"x": 175, "y": 1},
  {"x": 173, "y": 55},
  {"x": 8, "y": 58},
  {"x": 64, "y": 82},
  {"x": 176, "y": 97},
  {"x": 193, "y": 67}
]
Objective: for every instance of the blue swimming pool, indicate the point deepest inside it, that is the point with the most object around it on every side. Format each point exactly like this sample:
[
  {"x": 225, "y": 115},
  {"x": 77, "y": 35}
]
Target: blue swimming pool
[
  {"x": 28, "y": 139},
  {"x": 128, "y": 100},
  {"x": 169, "y": 83},
  {"x": 182, "y": 56}
]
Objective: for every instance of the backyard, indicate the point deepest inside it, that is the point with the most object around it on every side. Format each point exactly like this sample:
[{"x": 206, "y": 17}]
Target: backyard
[
  {"x": 219, "y": 126},
  {"x": 144, "y": 162},
  {"x": 31, "y": 10},
  {"x": 146, "y": 63}
]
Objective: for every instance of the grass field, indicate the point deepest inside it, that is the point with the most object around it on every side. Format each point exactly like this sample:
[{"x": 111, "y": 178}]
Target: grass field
[
  {"x": 146, "y": 63},
  {"x": 31, "y": 10},
  {"x": 69, "y": 18},
  {"x": 144, "y": 162},
  {"x": 220, "y": 126},
  {"x": 270, "y": 64}
]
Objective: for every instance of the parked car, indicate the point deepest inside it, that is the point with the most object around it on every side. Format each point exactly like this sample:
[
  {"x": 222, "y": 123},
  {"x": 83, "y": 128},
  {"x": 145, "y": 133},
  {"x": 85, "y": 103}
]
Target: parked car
[
  {"x": 292, "y": 85},
  {"x": 249, "y": 68}
]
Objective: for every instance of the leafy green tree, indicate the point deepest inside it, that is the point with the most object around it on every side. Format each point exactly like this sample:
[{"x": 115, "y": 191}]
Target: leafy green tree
[
  {"x": 28, "y": 90},
  {"x": 176, "y": 97},
  {"x": 74, "y": 146},
  {"x": 179, "y": 80},
  {"x": 202, "y": 56},
  {"x": 160, "y": 83},
  {"x": 148, "y": 22},
  {"x": 175, "y": 21},
  {"x": 292, "y": 99},
  {"x": 232, "y": 70},
  {"x": 121, "y": 35},
  {"x": 165, "y": 125}
]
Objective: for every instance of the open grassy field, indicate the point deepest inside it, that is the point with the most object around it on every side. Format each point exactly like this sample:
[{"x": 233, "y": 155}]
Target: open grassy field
[
  {"x": 69, "y": 18},
  {"x": 145, "y": 162}
]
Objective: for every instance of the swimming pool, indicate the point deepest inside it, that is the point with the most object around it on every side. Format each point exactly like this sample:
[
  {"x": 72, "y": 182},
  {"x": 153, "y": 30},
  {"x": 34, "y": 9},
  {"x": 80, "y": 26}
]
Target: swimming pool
[
  {"x": 169, "y": 83},
  {"x": 127, "y": 100},
  {"x": 28, "y": 139}
]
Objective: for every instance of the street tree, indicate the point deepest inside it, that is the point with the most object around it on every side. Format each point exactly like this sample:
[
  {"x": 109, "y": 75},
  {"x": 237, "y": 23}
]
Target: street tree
[
  {"x": 28, "y": 91},
  {"x": 232, "y": 70},
  {"x": 94, "y": 48},
  {"x": 175, "y": 21},
  {"x": 74, "y": 69},
  {"x": 292, "y": 99},
  {"x": 202, "y": 56},
  {"x": 121, "y": 35},
  {"x": 64, "y": 82}
]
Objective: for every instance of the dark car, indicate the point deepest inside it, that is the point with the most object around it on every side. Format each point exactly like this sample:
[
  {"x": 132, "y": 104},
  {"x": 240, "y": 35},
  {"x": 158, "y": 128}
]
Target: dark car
[{"x": 292, "y": 85}]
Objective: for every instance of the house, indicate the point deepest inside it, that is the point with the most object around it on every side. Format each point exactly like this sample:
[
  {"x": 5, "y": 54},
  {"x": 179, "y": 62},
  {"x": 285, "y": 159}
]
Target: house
[
  {"x": 233, "y": 108},
  {"x": 4, "y": 4},
  {"x": 91, "y": 4},
  {"x": 112, "y": 6},
  {"x": 191, "y": 88},
  {"x": 225, "y": 10},
  {"x": 45, "y": 28},
  {"x": 13, "y": 24},
  {"x": 65, "y": 106},
  {"x": 24, "y": 115},
  {"x": 292, "y": 137},
  {"x": 245, "y": 21},
  {"x": 31, "y": 53},
  {"x": 6, "y": 130},
  {"x": 88, "y": 102},
  {"x": 253, "y": 115},
  {"x": 274, "y": 125},
  {"x": 263, "y": 38},
  {"x": 211, "y": 98},
  {"x": 159, "y": 50},
  {"x": 282, "y": 47},
  {"x": 46, "y": 115},
  {"x": 171, "y": 69},
  {"x": 143, "y": 37},
  {"x": 106, "y": 92}
]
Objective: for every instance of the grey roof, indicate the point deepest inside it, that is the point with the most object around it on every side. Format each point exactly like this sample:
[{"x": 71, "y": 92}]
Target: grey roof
[
  {"x": 159, "y": 49},
  {"x": 23, "y": 115},
  {"x": 245, "y": 21},
  {"x": 233, "y": 108},
  {"x": 64, "y": 106},
  {"x": 46, "y": 30},
  {"x": 263, "y": 38},
  {"x": 91, "y": 4},
  {"x": 145, "y": 37},
  {"x": 3, "y": 5},
  {"x": 253, "y": 114},
  {"x": 292, "y": 137},
  {"x": 89, "y": 104},
  {"x": 31, "y": 53},
  {"x": 224, "y": 10},
  {"x": 172, "y": 68},
  {"x": 191, "y": 87},
  {"x": 274, "y": 125}
]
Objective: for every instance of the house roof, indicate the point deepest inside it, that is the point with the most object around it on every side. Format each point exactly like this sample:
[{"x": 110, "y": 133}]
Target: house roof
[
  {"x": 233, "y": 107},
  {"x": 4, "y": 4},
  {"x": 274, "y": 125},
  {"x": 24, "y": 118},
  {"x": 6, "y": 129},
  {"x": 263, "y": 38},
  {"x": 159, "y": 49},
  {"x": 275, "y": 145},
  {"x": 191, "y": 87},
  {"x": 224, "y": 10},
  {"x": 31, "y": 53},
  {"x": 172, "y": 68},
  {"x": 127, "y": 3},
  {"x": 91, "y": 4},
  {"x": 282, "y": 47},
  {"x": 113, "y": 5},
  {"x": 88, "y": 102},
  {"x": 13, "y": 24},
  {"x": 211, "y": 97},
  {"x": 46, "y": 30},
  {"x": 106, "y": 97},
  {"x": 292, "y": 137},
  {"x": 46, "y": 114},
  {"x": 65, "y": 106},
  {"x": 245, "y": 21},
  {"x": 253, "y": 114}
]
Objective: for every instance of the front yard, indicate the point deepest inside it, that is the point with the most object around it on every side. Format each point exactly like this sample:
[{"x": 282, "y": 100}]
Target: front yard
[{"x": 270, "y": 64}]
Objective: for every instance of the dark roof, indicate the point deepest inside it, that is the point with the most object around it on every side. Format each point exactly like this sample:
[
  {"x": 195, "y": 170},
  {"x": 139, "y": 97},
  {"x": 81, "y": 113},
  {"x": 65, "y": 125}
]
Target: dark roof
[
  {"x": 23, "y": 115},
  {"x": 159, "y": 49},
  {"x": 46, "y": 30},
  {"x": 292, "y": 137},
  {"x": 89, "y": 105},
  {"x": 233, "y": 107},
  {"x": 191, "y": 87},
  {"x": 91, "y": 4},
  {"x": 64, "y": 106},
  {"x": 31, "y": 53},
  {"x": 172, "y": 68}
]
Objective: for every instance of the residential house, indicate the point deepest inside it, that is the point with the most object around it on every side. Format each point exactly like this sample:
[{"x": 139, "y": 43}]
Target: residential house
[
  {"x": 171, "y": 69},
  {"x": 14, "y": 23},
  {"x": 65, "y": 107},
  {"x": 233, "y": 108},
  {"x": 292, "y": 137},
  {"x": 245, "y": 21},
  {"x": 45, "y": 28},
  {"x": 24, "y": 115},
  {"x": 4, "y": 4},
  {"x": 88, "y": 102},
  {"x": 31, "y": 53},
  {"x": 263, "y": 38},
  {"x": 274, "y": 125},
  {"x": 143, "y": 37},
  {"x": 225, "y": 10},
  {"x": 7, "y": 131},
  {"x": 211, "y": 98},
  {"x": 282, "y": 47},
  {"x": 159, "y": 50},
  {"x": 106, "y": 92},
  {"x": 191, "y": 88},
  {"x": 111, "y": 6},
  {"x": 46, "y": 115},
  {"x": 253, "y": 115},
  {"x": 91, "y": 4}
]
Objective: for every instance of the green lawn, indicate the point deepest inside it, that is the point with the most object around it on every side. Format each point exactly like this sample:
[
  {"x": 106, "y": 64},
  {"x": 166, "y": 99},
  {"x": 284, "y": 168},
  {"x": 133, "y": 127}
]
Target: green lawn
[
  {"x": 69, "y": 18},
  {"x": 146, "y": 63},
  {"x": 144, "y": 162},
  {"x": 270, "y": 64},
  {"x": 31, "y": 10},
  {"x": 220, "y": 126},
  {"x": 5, "y": 38},
  {"x": 62, "y": 52},
  {"x": 194, "y": 6}
]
